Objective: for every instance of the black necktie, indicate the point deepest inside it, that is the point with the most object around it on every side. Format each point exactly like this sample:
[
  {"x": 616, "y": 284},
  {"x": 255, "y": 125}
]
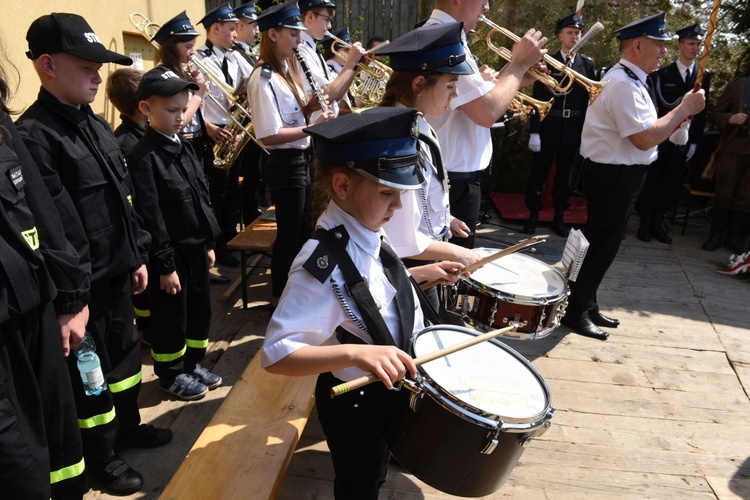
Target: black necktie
[
  {"x": 687, "y": 75},
  {"x": 397, "y": 275},
  {"x": 225, "y": 70}
]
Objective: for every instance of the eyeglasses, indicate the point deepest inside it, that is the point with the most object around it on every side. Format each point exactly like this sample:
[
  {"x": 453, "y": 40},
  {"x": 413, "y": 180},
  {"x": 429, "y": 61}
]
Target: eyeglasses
[{"x": 327, "y": 18}]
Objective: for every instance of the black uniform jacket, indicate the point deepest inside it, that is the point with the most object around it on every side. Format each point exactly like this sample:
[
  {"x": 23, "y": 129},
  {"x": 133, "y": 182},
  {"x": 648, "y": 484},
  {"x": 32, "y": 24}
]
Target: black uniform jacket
[
  {"x": 669, "y": 86},
  {"x": 37, "y": 263},
  {"x": 128, "y": 133},
  {"x": 85, "y": 172},
  {"x": 557, "y": 129},
  {"x": 171, "y": 195}
]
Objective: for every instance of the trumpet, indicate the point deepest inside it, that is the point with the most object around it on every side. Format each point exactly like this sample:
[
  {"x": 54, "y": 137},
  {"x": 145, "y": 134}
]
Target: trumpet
[
  {"x": 525, "y": 105},
  {"x": 569, "y": 75},
  {"x": 368, "y": 86}
]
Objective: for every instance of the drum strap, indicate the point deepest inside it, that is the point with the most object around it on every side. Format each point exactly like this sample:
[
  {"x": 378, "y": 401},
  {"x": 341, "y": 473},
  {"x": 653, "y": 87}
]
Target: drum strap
[{"x": 358, "y": 288}]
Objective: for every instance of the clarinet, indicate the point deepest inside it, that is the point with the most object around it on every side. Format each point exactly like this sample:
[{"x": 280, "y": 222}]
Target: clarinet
[{"x": 311, "y": 80}]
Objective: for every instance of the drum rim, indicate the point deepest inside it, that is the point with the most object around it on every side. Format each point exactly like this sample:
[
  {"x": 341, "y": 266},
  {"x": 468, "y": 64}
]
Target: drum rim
[{"x": 472, "y": 413}]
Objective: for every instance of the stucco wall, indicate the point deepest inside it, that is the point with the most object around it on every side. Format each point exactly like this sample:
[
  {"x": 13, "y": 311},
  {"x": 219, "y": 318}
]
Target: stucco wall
[{"x": 110, "y": 20}]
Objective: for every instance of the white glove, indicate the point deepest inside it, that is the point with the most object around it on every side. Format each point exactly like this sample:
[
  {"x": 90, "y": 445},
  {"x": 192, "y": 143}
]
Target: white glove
[
  {"x": 535, "y": 143},
  {"x": 680, "y": 136},
  {"x": 691, "y": 151}
]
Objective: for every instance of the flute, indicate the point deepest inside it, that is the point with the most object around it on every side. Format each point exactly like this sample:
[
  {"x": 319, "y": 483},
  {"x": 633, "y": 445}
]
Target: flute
[{"x": 317, "y": 91}]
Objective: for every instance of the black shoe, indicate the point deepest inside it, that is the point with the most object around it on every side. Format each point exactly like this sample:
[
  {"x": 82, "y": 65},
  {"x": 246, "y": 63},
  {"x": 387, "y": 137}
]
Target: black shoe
[
  {"x": 144, "y": 436},
  {"x": 217, "y": 279},
  {"x": 599, "y": 319},
  {"x": 713, "y": 242},
  {"x": 644, "y": 233},
  {"x": 660, "y": 234},
  {"x": 118, "y": 478},
  {"x": 226, "y": 258},
  {"x": 582, "y": 325},
  {"x": 559, "y": 229},
  {"x": 529, "y": 228}
]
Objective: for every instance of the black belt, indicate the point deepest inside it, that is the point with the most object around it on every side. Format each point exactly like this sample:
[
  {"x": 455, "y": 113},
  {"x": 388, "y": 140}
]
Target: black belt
[
  {"x": 466, "y": 176},
  {"x": 565, "y": 113},
  {"x": 192, "y": 136}
]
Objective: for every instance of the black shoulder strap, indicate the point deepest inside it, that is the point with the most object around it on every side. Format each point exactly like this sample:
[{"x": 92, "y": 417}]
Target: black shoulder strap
[
  {"x": 425, "y": 135},
  {"x": 358, "y": 289}
]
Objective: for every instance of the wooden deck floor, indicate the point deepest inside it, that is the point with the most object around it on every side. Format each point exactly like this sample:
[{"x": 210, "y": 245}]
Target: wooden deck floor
[{"x": 660, "y": 410}]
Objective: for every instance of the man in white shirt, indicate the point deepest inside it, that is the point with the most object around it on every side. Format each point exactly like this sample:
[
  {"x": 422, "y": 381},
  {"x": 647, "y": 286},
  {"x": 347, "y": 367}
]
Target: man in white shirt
[
  {"x": 484, "y": 96},
  {"x": 619, "y": 141}
]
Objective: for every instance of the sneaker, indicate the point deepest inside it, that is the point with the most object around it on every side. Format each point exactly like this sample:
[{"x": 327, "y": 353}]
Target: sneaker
[
  {"x": 144, "y": 436},
  {"x": 738, "y": 263},
  {"x": 117, "y": 477},
  {"x": 185, "y": 386},
  {"x": 205, "y": 377}
]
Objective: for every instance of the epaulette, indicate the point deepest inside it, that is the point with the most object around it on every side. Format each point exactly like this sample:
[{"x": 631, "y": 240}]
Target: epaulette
[
  {"x": 266, "y": 71},
  {"x": 321, "y": 262},
  {"x": 205, "y": 52}
]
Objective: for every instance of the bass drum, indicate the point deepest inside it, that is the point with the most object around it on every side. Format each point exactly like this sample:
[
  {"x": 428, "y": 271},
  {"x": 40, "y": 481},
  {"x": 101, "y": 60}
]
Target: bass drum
[{"x": 465, "y": 422}]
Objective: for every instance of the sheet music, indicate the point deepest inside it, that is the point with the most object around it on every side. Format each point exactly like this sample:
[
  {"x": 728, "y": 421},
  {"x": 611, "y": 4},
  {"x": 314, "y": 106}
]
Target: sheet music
[{"x": 574, "y": 253}]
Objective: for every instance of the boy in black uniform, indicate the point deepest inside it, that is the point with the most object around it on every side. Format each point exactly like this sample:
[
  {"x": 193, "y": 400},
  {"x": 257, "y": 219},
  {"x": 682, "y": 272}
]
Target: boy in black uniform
[
  {"x": 41, "y": 453},
  {"x": 172, "y": 197},
  {"x": 84, "y": 170}
]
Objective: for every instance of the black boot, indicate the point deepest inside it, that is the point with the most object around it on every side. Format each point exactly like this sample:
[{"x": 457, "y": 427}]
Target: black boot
[
  {"x": 658, "y": 230},
  {"x": 718, "y": 228},
  {"x": 644, "y": 229},
  {"x": 558, "y": 226},
  {"x": 530, "y": 226},
  {"x": 737, "y": 232}
]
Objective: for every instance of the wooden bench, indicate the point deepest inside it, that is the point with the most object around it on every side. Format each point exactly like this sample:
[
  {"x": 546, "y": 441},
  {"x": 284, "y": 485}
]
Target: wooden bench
[
  {"x": 256, "y": 238},
  {"x": 245, "y": 449}
]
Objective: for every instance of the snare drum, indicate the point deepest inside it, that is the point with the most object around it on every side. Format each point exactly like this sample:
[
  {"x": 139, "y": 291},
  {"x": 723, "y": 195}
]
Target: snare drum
[
  {"x": 516, "y": 287},
  {"x": 466, "y": 420}
]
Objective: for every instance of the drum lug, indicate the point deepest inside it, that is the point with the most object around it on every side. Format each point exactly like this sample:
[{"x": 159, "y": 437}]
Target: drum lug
[
  {"x": 417, "y": 391},
  {"x": 525, "y": 440},
  {"x": 493, "y": 311},
  {"x": 467, "y": 304},
  {"x": 492, "y": 442}
]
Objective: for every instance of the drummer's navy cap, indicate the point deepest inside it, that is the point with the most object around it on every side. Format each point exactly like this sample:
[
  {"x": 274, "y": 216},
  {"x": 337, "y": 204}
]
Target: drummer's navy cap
[
  {"x": 572, "y": 21},
  {"x": 652, "y": 27},
  {"x": 285, "y": 15},
  {"x": 342, "y": 33},
  {"x": 163, "y": 82},
  {"x": 179, "y": 25},
  {"x": 220, "y": 14},
  {"x": 380, "y": 143},
  {"x": 247, "y": 11},
  {"x": 305, "y": 5},
  {"x": 437, "y": 47},
  {"x": 694, "y": 32},
  {"x": 69, "y": 33}
]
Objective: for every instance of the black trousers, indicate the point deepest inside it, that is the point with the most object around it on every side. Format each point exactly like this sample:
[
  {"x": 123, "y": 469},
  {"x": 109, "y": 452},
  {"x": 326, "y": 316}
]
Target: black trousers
[
  {"x": 252, "y": 181},
  {"x": 564, "y": 157},
  {"x": 610, "y": 191},
  {"x": 465, "y": 197},
  {"x": 355, "y": 424},
  {"x": 287, "y": 176},
  {"x": 39, "y": 438},
  {"x": 663, "y": 181},
  {"x": 180, "y": 323},
  {"x": 118, "y": 346}
]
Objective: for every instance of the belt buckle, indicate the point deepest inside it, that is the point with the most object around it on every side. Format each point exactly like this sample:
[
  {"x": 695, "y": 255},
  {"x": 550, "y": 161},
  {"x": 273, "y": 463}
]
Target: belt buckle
[{"x": 566, "y": 113}]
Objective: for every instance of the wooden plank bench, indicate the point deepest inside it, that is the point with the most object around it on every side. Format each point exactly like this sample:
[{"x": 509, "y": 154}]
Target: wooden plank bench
[
  {"x": 256, "y": 238},
  {"x": 245, "y": 449}
]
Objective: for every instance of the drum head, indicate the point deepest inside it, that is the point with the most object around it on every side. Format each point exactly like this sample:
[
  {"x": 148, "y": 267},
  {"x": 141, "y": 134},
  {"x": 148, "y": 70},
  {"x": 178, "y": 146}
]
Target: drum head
[
  {"x": 518, "y": 275},
  {"x": 490, "y": 376}
]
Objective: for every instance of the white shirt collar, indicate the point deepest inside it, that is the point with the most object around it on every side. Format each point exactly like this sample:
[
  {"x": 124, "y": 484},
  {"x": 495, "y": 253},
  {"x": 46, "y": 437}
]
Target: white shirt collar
[
  {"x": 306, "y": 38},
  {"x": 445, "y": 18},
  {"x": 367, "y": 240},
  {"x": 682, "y": 68}
]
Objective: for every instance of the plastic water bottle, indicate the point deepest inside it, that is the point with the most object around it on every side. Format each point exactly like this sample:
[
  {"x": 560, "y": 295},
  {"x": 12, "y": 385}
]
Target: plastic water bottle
[{"x": 90, "y": 367}]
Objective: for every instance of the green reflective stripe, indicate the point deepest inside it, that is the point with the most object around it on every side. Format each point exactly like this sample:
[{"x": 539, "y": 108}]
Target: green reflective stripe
[
  {"x": 97, "y": 420},
  {"x": 126, "y": 384},
  {"x": 165, "y": 358},
  {"x": 130, "y": 200},
  {"x": 142, "y": 313},
  {"x": 68, "y": 472},
  {"x": 197, "y": 344}
]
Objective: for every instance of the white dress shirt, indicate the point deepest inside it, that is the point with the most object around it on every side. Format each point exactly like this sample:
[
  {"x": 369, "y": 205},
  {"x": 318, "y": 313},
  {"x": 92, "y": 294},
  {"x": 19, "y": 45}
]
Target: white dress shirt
[
  {"x": 212, "y": 112},
  {"x": 467, "y": 147},
  {"x": 310, "y": 311},
  {"x": 624, "y": 108}
]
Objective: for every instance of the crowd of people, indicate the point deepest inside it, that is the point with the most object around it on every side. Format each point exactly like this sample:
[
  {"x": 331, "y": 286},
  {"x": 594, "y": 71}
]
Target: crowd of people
[{"x": 105, "y": 229}]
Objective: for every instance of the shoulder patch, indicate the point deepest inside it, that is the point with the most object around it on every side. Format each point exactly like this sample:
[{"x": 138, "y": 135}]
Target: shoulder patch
[
  {"x": 204, "y": 51},
  {"x": 321, "y": 263},
  {"x": 266, "y": 71}
]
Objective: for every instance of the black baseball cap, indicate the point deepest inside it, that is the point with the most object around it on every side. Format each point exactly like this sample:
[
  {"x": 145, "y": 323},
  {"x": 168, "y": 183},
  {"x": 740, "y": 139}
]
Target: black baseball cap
[
  {"x": 70, "y": 33},
  {"x": 163, "y": 82}
]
